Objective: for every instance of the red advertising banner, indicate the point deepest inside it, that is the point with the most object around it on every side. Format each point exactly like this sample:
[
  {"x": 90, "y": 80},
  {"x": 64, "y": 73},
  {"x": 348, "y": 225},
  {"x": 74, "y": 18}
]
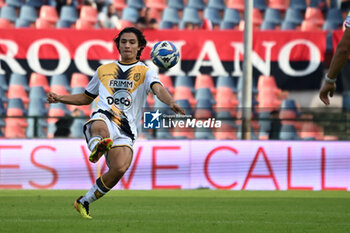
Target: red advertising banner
[{"x": 283, "y": 54}]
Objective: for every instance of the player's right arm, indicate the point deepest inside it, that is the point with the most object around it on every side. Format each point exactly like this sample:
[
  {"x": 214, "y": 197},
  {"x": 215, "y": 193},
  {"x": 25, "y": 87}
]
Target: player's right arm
[
  {"x": 77, "y": 99},
  {"x": 338, "y": 61}
]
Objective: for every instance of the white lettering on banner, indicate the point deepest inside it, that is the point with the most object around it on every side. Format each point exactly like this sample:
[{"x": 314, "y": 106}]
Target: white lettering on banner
[
  {"x": 80, "y": 57},
  {"x": 34, "y": 62},
  {"x": 12, "y": 49},
  {"x": 263, "y": 67},
  {"x": 238, "y": 165},
  {"x": 209, "y": 49},
  {"x": 284, "y": 63}
]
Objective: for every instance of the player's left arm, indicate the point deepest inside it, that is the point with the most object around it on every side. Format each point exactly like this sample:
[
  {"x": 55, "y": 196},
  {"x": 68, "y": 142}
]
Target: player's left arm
[{"x": 164, "y": 96}]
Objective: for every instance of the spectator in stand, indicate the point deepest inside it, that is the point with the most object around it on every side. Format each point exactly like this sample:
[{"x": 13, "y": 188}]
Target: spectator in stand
[
  {"x": 108, "y": 19},
  {"x": 145, "y": 21},
  {"x": 338, "y": 61},
  {"x": 98, "y": 4}
]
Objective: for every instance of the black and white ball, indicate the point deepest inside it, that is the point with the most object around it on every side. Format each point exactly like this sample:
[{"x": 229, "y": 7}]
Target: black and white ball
[{"x": 165, "y": 55}]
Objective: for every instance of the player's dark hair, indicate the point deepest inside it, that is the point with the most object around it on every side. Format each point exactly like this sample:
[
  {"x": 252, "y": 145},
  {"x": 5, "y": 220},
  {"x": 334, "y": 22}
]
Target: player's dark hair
[{"x": 140, "y": 37}]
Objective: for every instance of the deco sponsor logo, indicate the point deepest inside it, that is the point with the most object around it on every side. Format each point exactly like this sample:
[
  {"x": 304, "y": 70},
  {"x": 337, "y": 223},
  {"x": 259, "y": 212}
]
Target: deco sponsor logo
[
  {"x": 120, "y": 99},
  {"x": 118, "y": 83}
]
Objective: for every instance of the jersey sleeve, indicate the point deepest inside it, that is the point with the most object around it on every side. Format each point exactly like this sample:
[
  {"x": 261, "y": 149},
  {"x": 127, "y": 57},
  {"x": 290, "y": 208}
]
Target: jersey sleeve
[
  {"x": 151, "y": 79},
  {"x": 347, "y": 21},
  {"x": 93, "y": 86}
]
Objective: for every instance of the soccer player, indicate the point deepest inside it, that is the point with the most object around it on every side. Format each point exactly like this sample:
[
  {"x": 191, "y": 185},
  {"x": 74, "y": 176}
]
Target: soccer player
[
  {"x": 122, "y": 88},
  {"x": 338, "y": 61}
]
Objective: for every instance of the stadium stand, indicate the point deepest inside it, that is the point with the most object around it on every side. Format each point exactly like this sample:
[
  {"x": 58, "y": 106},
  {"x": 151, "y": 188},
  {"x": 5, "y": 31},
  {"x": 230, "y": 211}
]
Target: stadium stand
[
  {"x": 236, "y": 4},
  {"x": 69, "y": 13},
  {"x": 205, "y": 81},
  {"x": 260, "y": 4},
  {"x": 9, "y": 13},
  {"x": 5, "y": 23},
  {"x": 298, "y": 5},
  {"x": 267, "y": 15},
  {"x": 171, "y": 15},
  {"x": 216, "y": 4},
  {"x": 167, "y": 82},
  {"x": 48, "y": 13},
  {"x": 184, "y": 81},
  {"x": 184, "y": 92},
  {"x": 278, "y": 4},
  {"x": 28, "y": 13},
  {"x": 3, "y": 82}
]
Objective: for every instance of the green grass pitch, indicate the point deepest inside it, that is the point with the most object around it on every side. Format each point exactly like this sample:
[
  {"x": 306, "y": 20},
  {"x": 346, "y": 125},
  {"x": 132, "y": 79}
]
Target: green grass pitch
[{"x": 180, "y": 211}]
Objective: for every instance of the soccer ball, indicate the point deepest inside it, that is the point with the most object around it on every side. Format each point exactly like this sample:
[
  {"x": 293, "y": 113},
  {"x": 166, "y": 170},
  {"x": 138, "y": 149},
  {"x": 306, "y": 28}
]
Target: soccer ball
[{"x": 165, "y": 55}]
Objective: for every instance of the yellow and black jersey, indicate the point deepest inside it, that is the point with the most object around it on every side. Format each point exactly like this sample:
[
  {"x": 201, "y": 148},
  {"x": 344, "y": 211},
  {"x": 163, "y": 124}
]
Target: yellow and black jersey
[{"x": 122, "y": 91}]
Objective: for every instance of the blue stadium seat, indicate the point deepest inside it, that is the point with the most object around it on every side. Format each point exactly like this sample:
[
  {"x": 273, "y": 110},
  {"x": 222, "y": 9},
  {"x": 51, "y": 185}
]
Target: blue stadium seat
[
  {"x": 203, "y": 133},
  {"x": 19, "y": 79},
  {"x": 346, "y": 101},
  {"x": 16, "y": 103},
  {"x": 35, "y": 3},
  {"x": 260, "y": 4},
  {"x": 69, "y": 13},
  {"x": 232, "y": 16},
  {"x": 171, "y": 15},
  {"x": 290, "y": 104},
  {"x": 14, "y": 3},
  {"x": 191, "y": 15},
  {"x": 240, "y": 84},
  {"x": 2, "y": 108},
  {"x": 294, "y": 16},
  {"x": 298, "y": 4},
  {"x": 331, "y": 25},
  {"x": 288, "y": 25},
  {"x": 196, "y": 4},
  {"x": 268, "y": 25},
  {"x": 264, "y": 122},
  {"x": 185, "y": 104},
  {"x": 204, "y": 93},
  {"x": 226, "y": 81},
  {"x": 76, "y": 128},
  {"x": 288, "y": 132},
  {"x": 60, "y": 79},
  {"x": 28, "y": 13},
  {"x": 273, "y": 15},
  {"x": 178, "y": 4},
  {"x": 77, "y": 90},
  {"x": 36, "y": 107},
  {"x": 184, "y": 81},
  {"x": 3, "y": 97},
  {"x": 216, "y": 4},
  {"x": 137, "y": 4},
  {"x": 37, "y": 92},
  {"x": 63, "y": 23},
  {"x": 3, "y": 82},
  {"x": 225, "y": 117},
  {"x": 213, "y": 15},
  {"x": 8, "y": 12},
  {"x": 227, "y": 25},
  {"x": 163, "y": 134},
  {"x": 40, "y": 128},
  {"x": 329, "y": 42},
  {"x": 166, "y": 25},
  {"x": 205, "y": 104},
  {"x": 22, "y": 23},
  {"x": 130, "y": 14},
  {"x": 334, "y": 15}
]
